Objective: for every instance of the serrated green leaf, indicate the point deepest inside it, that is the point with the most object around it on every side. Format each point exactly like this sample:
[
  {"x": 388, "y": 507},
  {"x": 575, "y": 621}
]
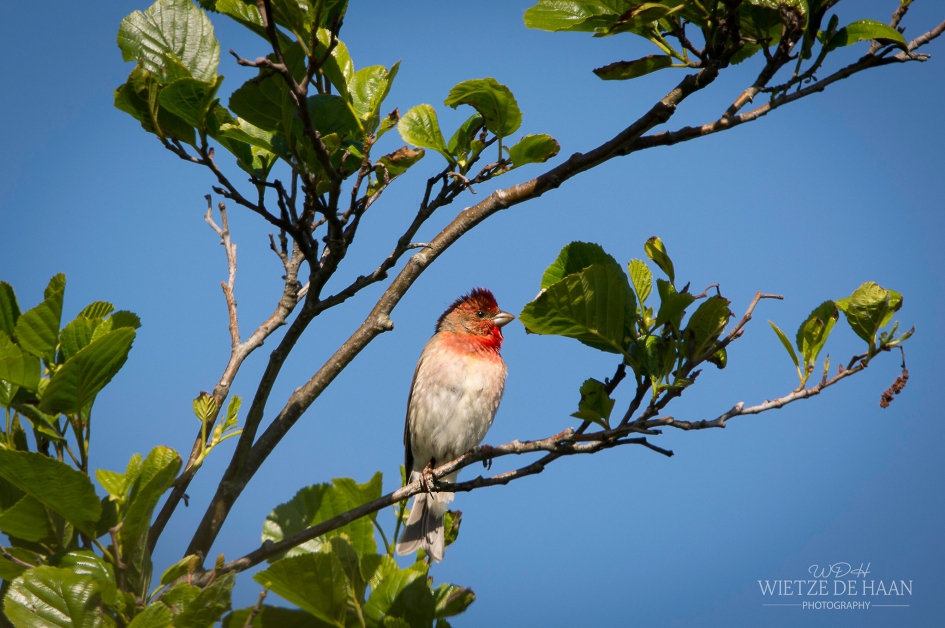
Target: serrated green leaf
[
  {"x": 533, "y": 149},
  {"x": 813, "y": 333},
  {"x": 595, "y": 405},
  {"x": 595, "y": 306},
  {"x": 570, "y": 15},
  {"x": 494, "y": 102},
  {"x": 642, "y": 279},
  {"x": 182, "y": 567},
  {"x": 452, "y": 600},
  {"x": 314, "y": 582},
  {"x": 459, "y": 144},
  {"x": 657, "y": 253},
  {"x": 420, "y": 127},
  {"x": 190, "y": 99},
  {"x": 719, "y": 358},
  {"x": 245, "y": 14},
  {"x": 787, "y": 344},
  {"x": 27, "y": 520},
  {"x": 706, "y": 325},
  {"x": 57, "y": 485},
  {"x": 672, "y": 304},
  {"x": 870, "y": 308},
  {"x": 49, "y": 597},
  {"x": 85, "y": 562},
  {"x": 865, "y": 30},
  {"x": 37, "y": 329},
  {"x": 79, "y": 380},
  {"x": 403, "y": 594},
  {"x": 625, "y": 70},
  {"x": 397, "y": 162},
  {"x": 575, "y": 257},
  {"x": 9, "y": 309},
  {"x": 172, "y": 39},
  {"x": 452, "y": 520},
  {"x": 139, "y": 97},
  {"x": 124, "y": 318},
  {"x": 158, "y": 472},
  {"x": 18, "y": 367},
  {"x": 368, "y": 88},
  {"x": 208, "y": 607},
  {"x": 179, "y": 596},
  {"x": 272, "y": 617},
  {"x": 320, "y": 502},
  {"x": 75, "y": 336},
  {"x": 156, "y": 615}
]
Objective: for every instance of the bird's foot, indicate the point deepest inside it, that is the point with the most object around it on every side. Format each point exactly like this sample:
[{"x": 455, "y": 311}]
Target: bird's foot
[
  {"x": 427, "y": 481},
  {"x": 487, "y": 450}
]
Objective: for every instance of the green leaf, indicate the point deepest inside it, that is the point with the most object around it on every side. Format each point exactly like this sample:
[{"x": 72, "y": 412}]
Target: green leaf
[
  {"x": 672, "y": 304},
  {"x": 173, "y": 39},
  {"x": 494, "y": 102},
  {"x": 10, "y": 570},
  {"x": 179, "y": 596},
  {"x": 271, "y": 617},
  {"x": 156, "y": 615},
  {"x": 313, "y": 504},
  {"x": 657, "y": 252},
  {"x": 75, "y": 336},
  {"x": 452, "y": 600},
  {"x": 865, "y": 30},
  {"x": 595, "y": 405},
  {"x": 190, "y": 99},
  {"x": 18, "y": 367},
  {"x": 245, "y": 14},
  {"x": 706, "y": 325},
  {"x": 624, "y": 70},
  {"x": 452, "y": 519},
  {"x": 27, "y": 520},
  {"x": 157, "y": 474},
  {"x": 719, "y": 358},
  {"x": 404, "y": 594},
  {"x": 37, "y": 330},
  {"x": 869, "y": 309},
  {"x": 533, "y": 149},
  {"x": 639, "y": 19},
  {"x": 420, "y": 127},
  {"x": 9, "y": 309},
  {"x": 57, "y": 485},
  {"x": 86, "y": 563},
  {"x": 575, "y": 257},
  {"x": 314, "y": 582},
  {"x": 209, "y": 605},
  {"x": 397, "y": 162},
  {"x": 786, "y": 343},
  {"x": 47, "y": 597},
  {"x": 595, "y": 306},
  {"x": 331, "y": 114},
  {"x": 368, "y": 88},
  {"x": 80, "y": 379},
  {"x": 140, "y": 98},
  {"x": 459, "y": 145},
  {"x": 181, "y": 568},
  {"x": 565, "y": 15},
  {"x": 124, "y": 318},
  {"x": 642, "y": 279},
  {"x": 813, "y": 332}
]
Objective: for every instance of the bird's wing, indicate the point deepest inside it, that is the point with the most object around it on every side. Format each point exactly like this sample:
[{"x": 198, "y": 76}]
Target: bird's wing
[{"x": 408, "y": 452}]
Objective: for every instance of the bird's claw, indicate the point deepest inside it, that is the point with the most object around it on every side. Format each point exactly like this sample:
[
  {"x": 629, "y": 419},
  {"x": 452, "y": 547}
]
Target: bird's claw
[
  {"x": 487, "y": 461},
  {"x": 427, "y": 481}
]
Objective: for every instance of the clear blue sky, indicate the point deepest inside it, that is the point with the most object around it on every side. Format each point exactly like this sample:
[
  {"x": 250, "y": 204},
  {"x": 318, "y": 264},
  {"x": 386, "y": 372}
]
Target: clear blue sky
[{"x": 811, "y": 201}]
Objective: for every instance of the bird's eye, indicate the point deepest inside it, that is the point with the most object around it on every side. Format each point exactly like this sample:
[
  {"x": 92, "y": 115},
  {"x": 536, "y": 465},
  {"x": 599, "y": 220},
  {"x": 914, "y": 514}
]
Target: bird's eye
[{"x": 481, "y": 314}]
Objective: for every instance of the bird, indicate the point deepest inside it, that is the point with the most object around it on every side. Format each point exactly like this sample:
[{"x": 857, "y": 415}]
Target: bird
[{"x": 456, "y": 390}]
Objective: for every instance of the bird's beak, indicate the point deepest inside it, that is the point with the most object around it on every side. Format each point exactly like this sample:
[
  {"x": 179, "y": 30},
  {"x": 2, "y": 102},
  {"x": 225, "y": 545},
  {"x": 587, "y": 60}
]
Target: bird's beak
[{"x": 502, "y": 318}]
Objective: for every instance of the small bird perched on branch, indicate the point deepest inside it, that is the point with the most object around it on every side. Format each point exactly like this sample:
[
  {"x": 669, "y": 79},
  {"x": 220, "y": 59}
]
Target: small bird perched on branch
[{"x": 455, "y": 393}]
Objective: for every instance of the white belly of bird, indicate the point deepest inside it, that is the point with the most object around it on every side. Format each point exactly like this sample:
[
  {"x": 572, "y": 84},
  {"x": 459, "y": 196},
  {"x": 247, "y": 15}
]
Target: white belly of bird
[{"x": 454, "y": 402}]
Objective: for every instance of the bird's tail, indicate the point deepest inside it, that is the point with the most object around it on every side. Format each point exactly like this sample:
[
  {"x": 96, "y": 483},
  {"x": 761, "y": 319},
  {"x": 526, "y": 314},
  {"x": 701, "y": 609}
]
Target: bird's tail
[{"x": 424, "y": 528}]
